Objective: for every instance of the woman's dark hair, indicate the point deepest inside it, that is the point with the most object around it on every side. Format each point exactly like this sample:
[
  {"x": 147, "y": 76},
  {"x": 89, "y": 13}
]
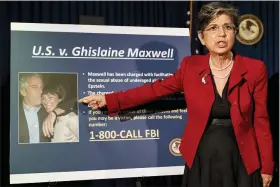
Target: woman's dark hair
[
  {"x": 209, "y": 11},
  {"x": 55, "y": 89}
]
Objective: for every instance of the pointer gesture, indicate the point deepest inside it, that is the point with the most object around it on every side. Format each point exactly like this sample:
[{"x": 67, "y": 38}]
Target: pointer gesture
[{"x": 94, "y": 101}]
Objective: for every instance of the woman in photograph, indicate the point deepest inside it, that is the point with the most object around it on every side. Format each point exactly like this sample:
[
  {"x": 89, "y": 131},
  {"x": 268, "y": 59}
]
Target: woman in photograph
[{"x": 66, "y": 127}]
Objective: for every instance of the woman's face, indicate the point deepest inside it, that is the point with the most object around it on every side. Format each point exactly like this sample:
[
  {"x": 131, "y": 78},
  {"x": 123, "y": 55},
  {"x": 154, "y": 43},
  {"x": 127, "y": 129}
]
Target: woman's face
[
  {"x": 219, "y": 35},
  {"x": 50, "y": 101}
]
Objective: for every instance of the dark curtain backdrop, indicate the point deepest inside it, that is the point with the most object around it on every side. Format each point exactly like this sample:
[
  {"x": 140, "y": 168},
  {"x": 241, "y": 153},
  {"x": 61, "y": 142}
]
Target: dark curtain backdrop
[{"x": 157, "y": 14}]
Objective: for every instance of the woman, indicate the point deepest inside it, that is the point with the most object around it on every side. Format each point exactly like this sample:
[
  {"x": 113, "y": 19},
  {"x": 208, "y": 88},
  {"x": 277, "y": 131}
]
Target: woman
[
  {"x": 66, "y": 127},
  {"x": 227, "y": 140}
]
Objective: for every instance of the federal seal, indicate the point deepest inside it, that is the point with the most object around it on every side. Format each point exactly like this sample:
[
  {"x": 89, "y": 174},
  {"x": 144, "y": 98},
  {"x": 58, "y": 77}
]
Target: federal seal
[
  {"x": 174, "y": 146},
  {"x": 250, "y": 29}
]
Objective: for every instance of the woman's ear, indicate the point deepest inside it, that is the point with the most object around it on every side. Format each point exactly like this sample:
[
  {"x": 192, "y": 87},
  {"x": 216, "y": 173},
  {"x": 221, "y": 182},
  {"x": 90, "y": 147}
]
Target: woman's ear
[{"x": 200, "y": 36}]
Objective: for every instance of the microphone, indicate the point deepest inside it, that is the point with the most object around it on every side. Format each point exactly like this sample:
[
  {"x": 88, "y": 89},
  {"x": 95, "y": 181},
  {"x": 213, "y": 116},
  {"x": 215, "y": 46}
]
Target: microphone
[{"x": 203, "y": 78}]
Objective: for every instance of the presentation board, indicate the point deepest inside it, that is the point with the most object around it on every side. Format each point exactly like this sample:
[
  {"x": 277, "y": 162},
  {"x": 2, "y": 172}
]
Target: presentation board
[{"x": 54, "y": 65}]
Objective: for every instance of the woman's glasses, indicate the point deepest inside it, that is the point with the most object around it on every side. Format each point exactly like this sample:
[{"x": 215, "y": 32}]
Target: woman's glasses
[{"x": 214, "y": 28}]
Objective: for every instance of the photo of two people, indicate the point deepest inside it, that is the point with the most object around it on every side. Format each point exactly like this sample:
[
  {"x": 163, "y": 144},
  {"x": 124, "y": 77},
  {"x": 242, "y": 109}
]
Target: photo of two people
[{"x": 48, "y": 108}]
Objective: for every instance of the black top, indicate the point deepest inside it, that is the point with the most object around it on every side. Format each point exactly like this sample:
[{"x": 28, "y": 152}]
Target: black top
[{"x": 221, "y": 105}]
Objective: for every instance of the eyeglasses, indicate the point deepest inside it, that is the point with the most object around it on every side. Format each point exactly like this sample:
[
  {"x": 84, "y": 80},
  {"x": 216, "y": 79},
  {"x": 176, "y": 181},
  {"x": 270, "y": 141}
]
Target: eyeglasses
[{"x": 214, "y": 29}]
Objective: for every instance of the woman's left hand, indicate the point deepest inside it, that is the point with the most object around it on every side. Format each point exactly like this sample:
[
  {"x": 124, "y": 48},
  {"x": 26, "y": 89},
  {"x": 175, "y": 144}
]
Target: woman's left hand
[{"x": 266, "y": 180}]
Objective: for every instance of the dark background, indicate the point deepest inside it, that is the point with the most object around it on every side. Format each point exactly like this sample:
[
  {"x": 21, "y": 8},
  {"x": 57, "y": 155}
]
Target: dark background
[{"x": 156, "y": 14}]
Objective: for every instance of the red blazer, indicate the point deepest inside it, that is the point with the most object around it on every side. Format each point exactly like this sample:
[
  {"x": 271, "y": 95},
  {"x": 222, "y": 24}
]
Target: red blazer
[{"x": 247, "y": 94}]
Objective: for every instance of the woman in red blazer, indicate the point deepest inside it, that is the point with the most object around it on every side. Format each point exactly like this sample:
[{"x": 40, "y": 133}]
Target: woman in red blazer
[{"x": 227, "y": 140}]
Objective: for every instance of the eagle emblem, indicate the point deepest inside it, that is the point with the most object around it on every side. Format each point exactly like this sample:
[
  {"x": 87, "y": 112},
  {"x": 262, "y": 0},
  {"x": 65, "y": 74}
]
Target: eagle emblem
[
  {"x": 174, "y": 147},
  {"x": 250, "y": 29}
]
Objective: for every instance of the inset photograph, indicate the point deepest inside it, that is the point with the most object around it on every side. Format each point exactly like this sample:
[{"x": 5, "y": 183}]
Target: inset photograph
[{"x": 48, "y": 108}]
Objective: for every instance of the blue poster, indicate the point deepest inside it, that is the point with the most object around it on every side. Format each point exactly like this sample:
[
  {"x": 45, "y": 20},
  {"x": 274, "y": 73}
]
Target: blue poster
[{"x": 55, "y": 139}]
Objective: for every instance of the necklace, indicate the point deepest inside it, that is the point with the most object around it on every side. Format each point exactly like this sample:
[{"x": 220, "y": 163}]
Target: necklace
[
  {"x": 220, "y": 69},
  {"x": 222, "y": 77}
]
